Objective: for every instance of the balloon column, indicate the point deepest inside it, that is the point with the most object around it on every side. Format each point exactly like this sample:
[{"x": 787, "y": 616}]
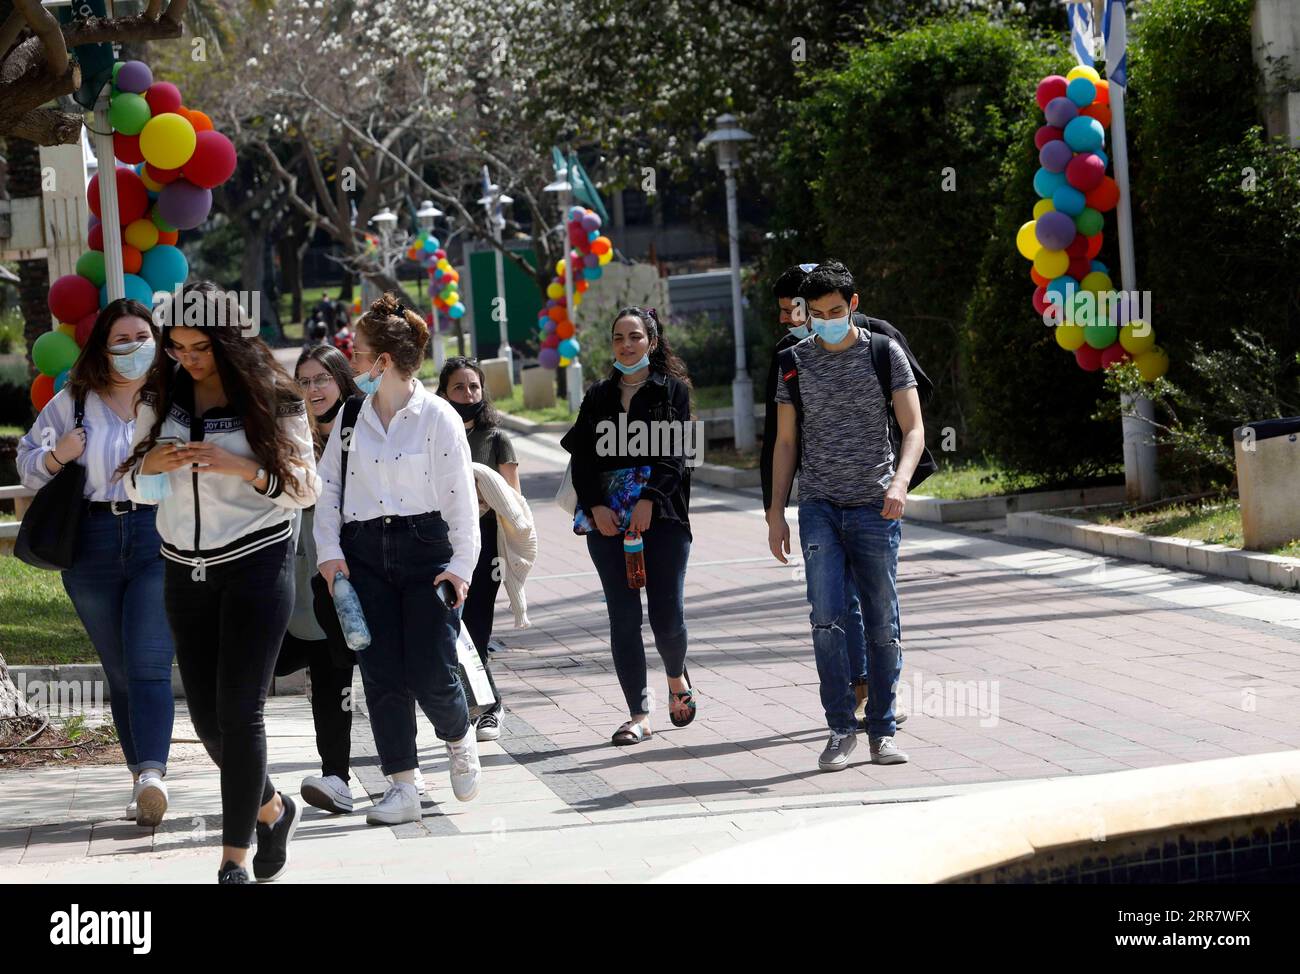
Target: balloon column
[
  {"x": 589, "y": 252},
  {"x": 1074, "y": 289},
  {"x": 444, "y": 280},
  {"x": 174, "y": 159}
]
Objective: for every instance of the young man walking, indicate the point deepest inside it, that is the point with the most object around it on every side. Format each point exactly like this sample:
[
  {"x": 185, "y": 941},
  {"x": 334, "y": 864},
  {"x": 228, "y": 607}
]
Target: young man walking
[{"x": 852, "y": 492}]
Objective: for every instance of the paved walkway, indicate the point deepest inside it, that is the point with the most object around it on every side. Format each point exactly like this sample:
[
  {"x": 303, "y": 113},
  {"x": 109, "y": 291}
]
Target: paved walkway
[{"x": 1022, "y": 662}]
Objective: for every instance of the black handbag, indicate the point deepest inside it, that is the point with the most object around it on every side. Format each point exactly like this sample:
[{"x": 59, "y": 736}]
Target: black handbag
[{"x": 49, "y": 531}]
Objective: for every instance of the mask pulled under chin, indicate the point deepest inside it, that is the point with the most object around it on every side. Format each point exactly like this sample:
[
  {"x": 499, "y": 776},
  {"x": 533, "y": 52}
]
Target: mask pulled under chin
[
  {"x": 642, "y": 363},
  {"x": 468, "y": 411},
  {"x": 329, "y": 414}
]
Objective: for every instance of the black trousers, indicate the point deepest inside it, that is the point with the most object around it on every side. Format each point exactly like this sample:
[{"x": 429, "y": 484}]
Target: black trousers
[
  {"x": 228, "y": 621},
  {"x": 480, "y": 605},
  {"x": 331, "y": 698}
]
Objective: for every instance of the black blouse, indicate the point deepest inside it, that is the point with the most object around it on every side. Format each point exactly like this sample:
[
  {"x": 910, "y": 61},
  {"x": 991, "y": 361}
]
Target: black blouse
[{"x": 661, "y": 398}]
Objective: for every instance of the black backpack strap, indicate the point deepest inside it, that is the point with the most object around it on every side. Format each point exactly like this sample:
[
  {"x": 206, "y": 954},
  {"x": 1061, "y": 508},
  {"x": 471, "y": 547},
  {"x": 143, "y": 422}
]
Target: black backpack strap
[
  {"x": 78, "y": 409},
  {"x": 787, "y": 368},
  {"x": 351, "y": 410}
]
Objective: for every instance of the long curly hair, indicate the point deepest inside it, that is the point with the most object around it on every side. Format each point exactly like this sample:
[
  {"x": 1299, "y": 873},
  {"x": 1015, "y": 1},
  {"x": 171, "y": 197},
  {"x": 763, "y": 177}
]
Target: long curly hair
[
  {"x": 255, "y": 384},
  {"x": 662, "y": 357}
]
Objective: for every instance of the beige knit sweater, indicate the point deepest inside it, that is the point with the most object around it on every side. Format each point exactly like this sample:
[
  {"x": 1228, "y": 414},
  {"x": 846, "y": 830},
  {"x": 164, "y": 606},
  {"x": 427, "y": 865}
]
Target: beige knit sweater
[{"x": 516, "y": 536}]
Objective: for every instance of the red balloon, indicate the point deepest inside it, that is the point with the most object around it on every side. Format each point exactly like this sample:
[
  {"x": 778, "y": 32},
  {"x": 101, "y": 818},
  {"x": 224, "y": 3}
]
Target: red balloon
[
  {"x": 1094, "y": 246},
  {"x": 1103, "y": 94},
  {"x": 169, "y": 237},
  {"x": 1040, "y": 299},
  {"x": 132, "y": 197},
  {"x": 72, "y": 297},
  {"x": 1053, "y": 86},
  {"x": 1100, "y": 112},
  {"x": 127, "y": 148},
  {"x": 42, "y": 391},
  {"x": 84, "y": 327},
  {"x": 95, "y": 238},
  {"x": 1079, "y": 268},
  {"x": 440, "y": 254},
  {"x": 1085, "y": 171},
  {"x": 163, "y": 176},
  {"x": 1089, "y": 358},
  {"x": 1038, "y": 278},
  {"x": 1112, "y": 355},
  {"x": 1046, "y": 134},
  {"x": 1104, "y": 196},
  {"x": 1078, "y": 247},
  {"x": 162, "y": 96},
  {"x": 213, "y": 161}
]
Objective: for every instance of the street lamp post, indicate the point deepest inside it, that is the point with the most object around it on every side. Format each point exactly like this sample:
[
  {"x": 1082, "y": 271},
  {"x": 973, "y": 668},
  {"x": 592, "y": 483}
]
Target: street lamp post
[
  {"x": 726, "y": 139},
  {"x": 427, "y": 215},
  {"x": 493, "y": 201},
  {"x": 386, "y": 222},
  {"x": 573, "y": 375}
]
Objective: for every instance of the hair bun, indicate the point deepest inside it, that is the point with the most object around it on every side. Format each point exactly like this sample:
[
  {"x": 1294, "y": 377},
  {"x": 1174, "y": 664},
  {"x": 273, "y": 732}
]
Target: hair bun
[{"x": 386, "y": 304}]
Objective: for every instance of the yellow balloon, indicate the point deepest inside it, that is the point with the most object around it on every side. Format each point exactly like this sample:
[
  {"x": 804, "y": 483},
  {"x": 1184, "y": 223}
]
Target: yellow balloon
[
  {"x": 1137, "y": 337},
  {"x": 1153, "y": 363},
  {"x": 1027, "y": 242},
  {"x": 1097, "y": 281},
  {"x": 605, "y": 258},
  {"x": 577, "y": 298},
  {"x": 67, "y": 329},
  {"x": 1043, "y": 206},
  {"x": 1069, "y": 337},
  {"x": 1083, "y": 71},
  {"x": 1051, "y": 263},
  {"x": 150, "y": 183},
  {"x": 142, "y": 234},
  {"x": 565, "y": 362},
  {"x": 559, "y": 268},
  {"x": 167, "y": 141},
  {"x": 554, "y": 290}
]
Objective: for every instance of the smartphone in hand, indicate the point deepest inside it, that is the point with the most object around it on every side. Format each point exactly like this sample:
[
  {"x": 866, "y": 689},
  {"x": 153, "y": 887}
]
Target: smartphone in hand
[{"x": 447, "y": 592}]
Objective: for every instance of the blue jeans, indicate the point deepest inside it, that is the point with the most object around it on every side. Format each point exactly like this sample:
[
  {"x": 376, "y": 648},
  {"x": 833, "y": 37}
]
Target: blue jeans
[
  {"x": 411, "y": 659},
  {"x": 116, "y": 585},
  {"x": 845, "y": 547}
]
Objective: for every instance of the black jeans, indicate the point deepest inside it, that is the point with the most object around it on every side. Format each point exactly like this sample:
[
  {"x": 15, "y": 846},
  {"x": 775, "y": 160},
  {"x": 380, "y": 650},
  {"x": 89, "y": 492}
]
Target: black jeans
[
  {"x": 228, "y": 622},
  {"x": 667, "y": 546},
  {"x": 480, "y": 604},
  {"x": 331, "y": 699},
  {"x": 392, "y": 562}
]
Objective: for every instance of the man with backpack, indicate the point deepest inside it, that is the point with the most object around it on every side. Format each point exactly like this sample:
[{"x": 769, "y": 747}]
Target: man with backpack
[{"x": 840, "y": 393}]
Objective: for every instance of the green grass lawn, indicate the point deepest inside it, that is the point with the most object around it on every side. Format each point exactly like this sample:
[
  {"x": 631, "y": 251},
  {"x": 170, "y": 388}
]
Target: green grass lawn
[
  {"x": 718, "y": 397},
  {"x": 559, "y": 413},
  {"x": 37, "y": 622},
  {"x": 730, "y": 457},
  {"x": 12, "y": 430},
  {"x": 954, "y": 481},
  {"x": 1212, "y": 521}
]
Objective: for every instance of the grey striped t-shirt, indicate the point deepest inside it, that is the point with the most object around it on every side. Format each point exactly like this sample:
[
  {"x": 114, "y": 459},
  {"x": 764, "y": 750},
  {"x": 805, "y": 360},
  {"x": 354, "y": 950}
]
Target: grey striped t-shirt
[{"x": 847, "y": 456}]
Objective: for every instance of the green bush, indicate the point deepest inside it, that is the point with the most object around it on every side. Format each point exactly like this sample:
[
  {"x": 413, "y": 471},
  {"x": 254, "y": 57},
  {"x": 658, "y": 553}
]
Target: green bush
[{"x": 894, "y": 167}]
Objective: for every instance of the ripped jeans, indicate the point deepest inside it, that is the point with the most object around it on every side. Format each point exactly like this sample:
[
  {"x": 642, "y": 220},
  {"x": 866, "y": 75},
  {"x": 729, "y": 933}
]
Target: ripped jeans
[{"x": 840, "y": 543}]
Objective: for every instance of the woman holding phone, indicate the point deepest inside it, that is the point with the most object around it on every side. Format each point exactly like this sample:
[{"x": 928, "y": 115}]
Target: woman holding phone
[
  {"x": 403, "y": 529},
  {"x": 223, "y": 446}
]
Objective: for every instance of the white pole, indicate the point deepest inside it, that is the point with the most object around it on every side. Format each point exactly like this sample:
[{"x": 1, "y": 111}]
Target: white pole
[
  {"x": 108, "y": 210},
  {"x": 1141, "y": 482},
  {"x": 742, "y": 388},
  {"x": 439, "y": 352},
  {"x": 499, "y": 308}
]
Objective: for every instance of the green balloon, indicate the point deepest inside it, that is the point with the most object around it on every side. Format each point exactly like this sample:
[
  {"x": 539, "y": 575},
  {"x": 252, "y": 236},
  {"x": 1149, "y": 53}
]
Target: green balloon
[
  {"x": 159, "y": 222},
  {"x": 1101, "y": 336},
  {"x": 53, "y": 352},
  {"x": 128, "y": 113},
  {"x": 1088, "y": 222},
  {"x": 117, "y": 66},
  {"x": 90, "y": 265}
]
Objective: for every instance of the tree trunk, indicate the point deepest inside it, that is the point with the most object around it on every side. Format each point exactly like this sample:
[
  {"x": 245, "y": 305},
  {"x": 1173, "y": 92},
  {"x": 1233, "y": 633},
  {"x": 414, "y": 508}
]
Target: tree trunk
[
  {"x": 289, "y": 248},
  {"x": 12, "y": 701},
  {"x": 33, "y": 275}
]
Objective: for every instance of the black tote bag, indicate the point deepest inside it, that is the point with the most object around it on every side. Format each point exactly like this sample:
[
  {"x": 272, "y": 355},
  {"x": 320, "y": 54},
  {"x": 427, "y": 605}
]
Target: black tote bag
[{"x": 49, "y": 531}]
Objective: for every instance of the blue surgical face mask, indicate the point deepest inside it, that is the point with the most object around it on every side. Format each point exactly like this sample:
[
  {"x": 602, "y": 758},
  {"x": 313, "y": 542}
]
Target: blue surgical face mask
[
  {"x": 132, "y": 359},
  {"x": 367, "y": 383},
  {"x": 644, "y": 362},
  {"x": 800, "y": 331},
  {"x": 832, "y": 331}
]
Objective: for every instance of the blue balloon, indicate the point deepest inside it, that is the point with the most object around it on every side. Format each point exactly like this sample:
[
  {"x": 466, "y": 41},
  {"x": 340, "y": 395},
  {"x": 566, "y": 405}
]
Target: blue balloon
[
  {"x": 163, "y": 267},
  {"x": 1068, "y": 200},
  {"x": 567, "y": 348},
  {"x": 1081, "y": 91},
  {"x": 593, "y": 273},
  {"x": 1064, "y": 287},
  {"x": 592, "y": 235},
  {"x": 1105, "y": 159},
  {"x": 1046, "y": 183},
  {"x": 1097, "y": 265},
  {"x": 1085, "y": 134},
  {"x": 135, "y": 287},
  {"x": 62, "y": 380}
]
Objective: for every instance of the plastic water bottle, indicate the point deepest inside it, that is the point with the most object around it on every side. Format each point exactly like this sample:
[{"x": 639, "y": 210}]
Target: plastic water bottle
[
  {"x": 634, "y": 555},
  {"x": 352, "y": 620}
]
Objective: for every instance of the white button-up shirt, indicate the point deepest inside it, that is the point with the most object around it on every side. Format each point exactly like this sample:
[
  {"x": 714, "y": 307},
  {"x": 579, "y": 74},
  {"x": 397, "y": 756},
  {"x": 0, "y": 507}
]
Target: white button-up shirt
[
  {"x": 421, "y": 463},
  {"x": 108, "y": 443}
]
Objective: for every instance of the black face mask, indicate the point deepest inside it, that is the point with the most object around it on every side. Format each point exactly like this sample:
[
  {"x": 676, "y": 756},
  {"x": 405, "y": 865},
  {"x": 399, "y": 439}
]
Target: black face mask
[
  {"x": 469, "y": 411},
  {"x": 329, "y": 414}
]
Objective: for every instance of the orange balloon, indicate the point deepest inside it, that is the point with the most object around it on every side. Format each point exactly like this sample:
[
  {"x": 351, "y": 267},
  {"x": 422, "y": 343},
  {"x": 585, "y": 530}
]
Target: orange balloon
[
  {"x": 1100, "y": 112},
  {"x": 132, "y": 259},
  {"x": 1039, "y": 279},
  {"x": 556, "y": 313},
  {"x": 1103, "y": 94},
  {"x": 564, "y": 329},
  {"x": 42, "y": 391},
  {"x": 1103, "y": 197},
  {"x": 582, "y": 286},
  {"x": 169, "y": 237},
  {"x": 199, "y": 120},
  {"x": 1094, "y": 245}
]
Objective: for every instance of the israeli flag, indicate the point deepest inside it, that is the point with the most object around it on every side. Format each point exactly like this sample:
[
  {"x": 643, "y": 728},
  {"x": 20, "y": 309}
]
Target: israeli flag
[
  {"x": 1114, "y": 26},
  {"x": 1083, "y": 33}
]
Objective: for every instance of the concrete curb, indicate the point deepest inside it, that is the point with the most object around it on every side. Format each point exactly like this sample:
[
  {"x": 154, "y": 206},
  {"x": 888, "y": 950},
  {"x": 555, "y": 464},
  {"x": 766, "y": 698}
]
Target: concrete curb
[
  {"x": 1184, "y": 554},
  {"x": 295, "y": 684},
  {"x": 720, "y": 475},
  {"x": 517, "y": 424},
  {"x": 922, "y": 507}
]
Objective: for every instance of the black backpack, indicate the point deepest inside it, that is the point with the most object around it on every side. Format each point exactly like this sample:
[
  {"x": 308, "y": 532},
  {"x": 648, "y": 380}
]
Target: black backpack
[{"x": 788, "y": 369}]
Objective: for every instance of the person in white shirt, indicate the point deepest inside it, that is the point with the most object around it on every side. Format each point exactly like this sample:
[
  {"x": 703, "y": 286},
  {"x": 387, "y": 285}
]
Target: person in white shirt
[
  {"x": 223, "y": 445},
  {"x": 116, "y": 579},
  {"x": 405, "y": 521}
]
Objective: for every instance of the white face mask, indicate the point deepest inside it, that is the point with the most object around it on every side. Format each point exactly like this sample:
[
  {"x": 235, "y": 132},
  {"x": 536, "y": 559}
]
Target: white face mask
[{"x": 131, "y": 360}]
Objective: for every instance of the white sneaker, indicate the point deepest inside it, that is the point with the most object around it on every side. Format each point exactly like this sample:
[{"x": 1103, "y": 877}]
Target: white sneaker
[
  {"x": 400, "y": 804},
  {"x": 150, "y": 801},
  {"x": 133, "y": 806},
  {"x": 462, "y": 760},
  {"x": 420, "y": 788},
  {"x": 329, "y": 792}
]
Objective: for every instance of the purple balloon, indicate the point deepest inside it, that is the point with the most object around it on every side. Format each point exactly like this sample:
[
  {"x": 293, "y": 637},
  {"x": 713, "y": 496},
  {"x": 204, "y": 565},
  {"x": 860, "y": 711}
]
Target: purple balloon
[
  {"x": 184, "y": 205},
  {"x": 1054, "y": 230},
  {"x": 1055, "y": 155},
  {"x": 1060, "y": 112},
  {"x": 135, "y": 77},
  {"x": 548, "y": 358},
  {"x": 590, "y": 221},
  {"x": 590, "y": 260}
]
